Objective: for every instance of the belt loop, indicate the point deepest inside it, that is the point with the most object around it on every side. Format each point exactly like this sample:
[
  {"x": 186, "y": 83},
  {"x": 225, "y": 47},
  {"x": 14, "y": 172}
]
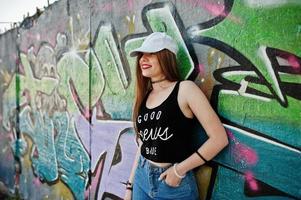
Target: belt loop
[{"x": 143, "y": 160}]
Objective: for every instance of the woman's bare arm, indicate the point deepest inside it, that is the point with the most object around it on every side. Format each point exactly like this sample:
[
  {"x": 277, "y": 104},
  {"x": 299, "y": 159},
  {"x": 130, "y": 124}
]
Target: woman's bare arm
[
  {"x": 131, "y": 178},
  {"x": 217, "y": 137},
  {"x": 128, "y": 193}
]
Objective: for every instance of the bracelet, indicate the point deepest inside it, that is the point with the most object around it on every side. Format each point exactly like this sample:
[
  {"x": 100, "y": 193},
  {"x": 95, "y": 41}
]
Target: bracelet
[
  {"x": 129, "y": 185},
  {"x": 129, "y": 188},
  {"x": 200, "y": 155},
  {"x": 176, "y": 173}
]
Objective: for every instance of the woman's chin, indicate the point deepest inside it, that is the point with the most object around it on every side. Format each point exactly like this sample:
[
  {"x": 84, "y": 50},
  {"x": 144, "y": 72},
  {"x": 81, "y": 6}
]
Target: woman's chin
[{"x": 147, "y": 75}]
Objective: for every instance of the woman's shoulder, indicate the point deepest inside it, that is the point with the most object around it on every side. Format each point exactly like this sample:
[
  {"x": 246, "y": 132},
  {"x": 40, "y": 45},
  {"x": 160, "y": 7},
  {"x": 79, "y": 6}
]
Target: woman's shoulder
[
  {"x": 189, "y": 89},
  {"x": 188, "y": 84}
]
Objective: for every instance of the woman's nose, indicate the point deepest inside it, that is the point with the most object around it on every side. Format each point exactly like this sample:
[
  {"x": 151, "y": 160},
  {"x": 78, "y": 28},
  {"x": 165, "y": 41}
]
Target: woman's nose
[{"x": 143, "y": 57}]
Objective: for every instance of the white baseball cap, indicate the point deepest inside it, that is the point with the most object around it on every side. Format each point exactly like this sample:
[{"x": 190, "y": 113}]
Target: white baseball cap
[{"x": 155, "y": 42}]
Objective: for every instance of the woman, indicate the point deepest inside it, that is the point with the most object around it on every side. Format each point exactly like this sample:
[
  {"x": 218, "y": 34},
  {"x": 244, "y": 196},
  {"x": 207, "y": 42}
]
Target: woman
[{"x": 164, "y": 113}]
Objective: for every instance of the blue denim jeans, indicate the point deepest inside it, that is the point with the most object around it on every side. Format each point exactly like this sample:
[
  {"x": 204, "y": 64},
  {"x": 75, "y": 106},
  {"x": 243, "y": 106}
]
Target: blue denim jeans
[{"x": 147, "y": 186}]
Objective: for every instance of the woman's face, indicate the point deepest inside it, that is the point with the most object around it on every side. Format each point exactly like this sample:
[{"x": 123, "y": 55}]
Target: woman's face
[{"x": 150, "y": 66}]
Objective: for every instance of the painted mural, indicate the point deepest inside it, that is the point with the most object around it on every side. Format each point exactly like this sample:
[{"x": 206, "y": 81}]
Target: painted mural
[{"x": 67, "y": 86}]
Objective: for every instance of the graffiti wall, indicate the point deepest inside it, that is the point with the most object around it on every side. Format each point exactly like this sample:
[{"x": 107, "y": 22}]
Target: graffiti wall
[{"x": 67, "y": 86}]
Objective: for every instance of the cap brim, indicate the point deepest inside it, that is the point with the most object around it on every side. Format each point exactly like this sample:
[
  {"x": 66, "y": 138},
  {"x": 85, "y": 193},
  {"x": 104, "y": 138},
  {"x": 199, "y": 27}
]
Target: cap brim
[{"x": 135, "y": 52}]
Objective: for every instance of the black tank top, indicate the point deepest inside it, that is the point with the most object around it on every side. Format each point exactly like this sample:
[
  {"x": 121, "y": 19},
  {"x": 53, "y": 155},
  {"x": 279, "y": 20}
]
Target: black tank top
[{"x": 165, "y": 131}]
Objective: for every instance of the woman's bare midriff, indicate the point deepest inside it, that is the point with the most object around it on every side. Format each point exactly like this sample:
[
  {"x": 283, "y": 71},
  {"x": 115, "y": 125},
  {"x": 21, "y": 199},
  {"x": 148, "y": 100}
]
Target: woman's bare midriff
[{"x": 162, "y": 165}]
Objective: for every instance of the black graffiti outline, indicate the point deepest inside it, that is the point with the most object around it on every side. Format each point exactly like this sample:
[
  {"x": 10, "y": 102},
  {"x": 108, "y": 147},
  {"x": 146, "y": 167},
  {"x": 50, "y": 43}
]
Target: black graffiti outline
[{"x": 230, "y": 51}]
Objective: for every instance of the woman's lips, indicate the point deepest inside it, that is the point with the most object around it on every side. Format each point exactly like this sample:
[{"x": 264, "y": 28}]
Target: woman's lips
[{"x": 145, "y": 66}]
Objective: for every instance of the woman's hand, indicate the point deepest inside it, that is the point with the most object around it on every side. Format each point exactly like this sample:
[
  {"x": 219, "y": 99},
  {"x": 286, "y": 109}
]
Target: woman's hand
[
  {"x": 128, "y": 195},
  {"x": 170, "y": 177}
]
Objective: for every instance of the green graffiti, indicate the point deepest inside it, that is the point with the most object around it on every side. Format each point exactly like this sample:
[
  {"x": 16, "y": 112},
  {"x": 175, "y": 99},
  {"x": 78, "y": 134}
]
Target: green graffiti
[
  {"x": 161, "y": 19},
  {"x": 256, "y": 29},
  {"x": 260, "y": 114},
  {"x": 118, "y": 93},
  {"x": 97, "y": 79},
  {"x": 73, "y": 69},
  {"x": 18, "y": 85},
  {"x": 110, "y": 59},
  {"x": 9, "y": 105}
]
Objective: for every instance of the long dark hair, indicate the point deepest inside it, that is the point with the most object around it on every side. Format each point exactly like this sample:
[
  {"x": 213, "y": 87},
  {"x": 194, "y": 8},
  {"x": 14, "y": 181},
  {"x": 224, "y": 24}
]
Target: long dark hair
[{"x": 168, "y": 63}]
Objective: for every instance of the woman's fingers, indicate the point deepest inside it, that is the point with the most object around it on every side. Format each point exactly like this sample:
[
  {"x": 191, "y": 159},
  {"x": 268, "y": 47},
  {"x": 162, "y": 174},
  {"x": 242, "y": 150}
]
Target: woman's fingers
[
  {"x": 169, "y": 178},
  {"x": 162, "y": 176}
]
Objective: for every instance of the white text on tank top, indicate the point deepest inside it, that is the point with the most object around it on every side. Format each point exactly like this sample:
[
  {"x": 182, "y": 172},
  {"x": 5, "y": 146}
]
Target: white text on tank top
[{"x": 153, "y": 133}]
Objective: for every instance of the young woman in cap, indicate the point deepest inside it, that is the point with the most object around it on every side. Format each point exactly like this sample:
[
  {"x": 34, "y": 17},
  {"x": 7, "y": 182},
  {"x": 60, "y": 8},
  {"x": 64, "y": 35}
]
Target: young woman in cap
[{"x": 165, "y": 111}]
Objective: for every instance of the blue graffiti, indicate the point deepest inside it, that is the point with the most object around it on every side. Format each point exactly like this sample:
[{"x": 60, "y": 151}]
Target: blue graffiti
[{"x": 57, "y": 152}]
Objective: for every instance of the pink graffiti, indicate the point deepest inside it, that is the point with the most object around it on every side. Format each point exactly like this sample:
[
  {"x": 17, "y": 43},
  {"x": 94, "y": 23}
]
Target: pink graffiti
[
  {"x": 17, "y": 179},
  {"x": 242, "y": 152},
  {"x": 26, "y": 95},
  {"x": 230, "y": 135},
  {"x": 130, "y": 4},
  {"x": 35, "y": 153},
  {"x": 105, "y": 7},
  {"x": 34, "y": 36},
  {"x": 21, "y": 69},
  {"x": 10, "y": 136},
  {"x": 36, "y": 181},
  {"x": 20, "y": 66},
  {"x": 9, "y": 157},
  {"x": 214, "y": 9},
  {"x": 87, "y": 113},
  {"x": 91, "y": 191},
  {"x": 245, "y": 153},
  {"x": 201, "y": 69},
  {"x": 251, "y": 180},
  {"x": 293, "y": 61},
  {"x": 74, "y": 95}
]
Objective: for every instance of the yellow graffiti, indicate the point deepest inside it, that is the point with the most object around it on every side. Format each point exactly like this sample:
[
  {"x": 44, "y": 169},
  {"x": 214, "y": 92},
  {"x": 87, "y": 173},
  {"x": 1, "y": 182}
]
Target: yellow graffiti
[
  {"x": 6, "y": 77},
  {"x": 131, "y": 23},
  {"x": 215, "y": 60}
]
